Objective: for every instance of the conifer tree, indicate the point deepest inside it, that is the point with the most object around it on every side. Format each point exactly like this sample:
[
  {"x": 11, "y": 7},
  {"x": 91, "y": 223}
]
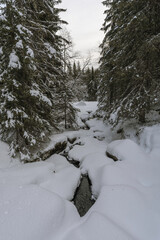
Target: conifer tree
[
  {"x": 30, "y": 72},
  {"x": 130, "y": 63},
  {"x": 75, "y": 70},
  {"x": 92, "y": 84}
]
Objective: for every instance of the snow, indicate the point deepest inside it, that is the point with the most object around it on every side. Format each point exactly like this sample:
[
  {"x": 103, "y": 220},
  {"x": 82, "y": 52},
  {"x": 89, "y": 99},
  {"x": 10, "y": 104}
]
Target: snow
[
  {"x": 81, "y": 104},
  {"x": 93, "y": 164},
  {"x": 22, "y": 29},
  {"x": 33, "y": 201},
  {"x": 85, "y": 109},
  {"x": 15, "y": 83},
  {"x": 125, "y": 150},
  {"x": 30, "y": 212},
  {"x": 19, "y": 44},
  {"x": 14, "y": 60},
  {"x": 35, "y": 197},
  {"x": 49, "y": 175},
  {"x": 150, "y": 138},
  {"x": 37, "y": 93},
  {"x": 63, "y": 170},
  {"x": 1, "y": 50},
  {"x": 89, "y": 145},
  {"x": 50, "y": 49},
  {"x": 30, "y": 52},
  {"x": 2, "y": 17}
]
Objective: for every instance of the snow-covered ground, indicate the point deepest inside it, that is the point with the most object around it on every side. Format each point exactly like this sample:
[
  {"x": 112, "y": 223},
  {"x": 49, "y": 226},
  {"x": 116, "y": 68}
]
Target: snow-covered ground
[{"x": 35, "y": 197}]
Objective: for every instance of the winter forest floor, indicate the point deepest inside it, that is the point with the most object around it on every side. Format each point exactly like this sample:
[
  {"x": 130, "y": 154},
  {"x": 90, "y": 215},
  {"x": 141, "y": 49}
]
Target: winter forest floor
[{"x": 37, "y": 199}]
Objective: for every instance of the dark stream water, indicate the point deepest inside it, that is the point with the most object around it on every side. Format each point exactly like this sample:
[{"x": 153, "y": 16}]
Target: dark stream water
[{"x": 83, "y": 196}]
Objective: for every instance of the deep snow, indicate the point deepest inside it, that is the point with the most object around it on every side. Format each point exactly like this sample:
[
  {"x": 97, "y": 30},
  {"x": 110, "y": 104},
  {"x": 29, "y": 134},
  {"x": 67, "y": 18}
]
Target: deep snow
[{"x": 34, "y": 197}]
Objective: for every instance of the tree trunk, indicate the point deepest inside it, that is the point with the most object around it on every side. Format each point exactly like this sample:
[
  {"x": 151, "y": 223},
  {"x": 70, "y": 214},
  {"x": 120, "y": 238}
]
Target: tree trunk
[{"x": 141, "y": 116}]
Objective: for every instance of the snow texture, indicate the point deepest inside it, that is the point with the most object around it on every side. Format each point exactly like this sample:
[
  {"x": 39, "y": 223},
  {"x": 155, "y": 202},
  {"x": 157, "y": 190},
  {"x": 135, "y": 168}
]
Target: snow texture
[
  {"x": 14, "y": 61},
  {"x": 34, "y": 201}
]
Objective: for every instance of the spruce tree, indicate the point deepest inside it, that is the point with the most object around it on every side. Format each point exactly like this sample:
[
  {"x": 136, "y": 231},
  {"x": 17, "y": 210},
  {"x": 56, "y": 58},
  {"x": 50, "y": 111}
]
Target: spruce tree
[
  {"x": 75, "y": 70},
  {"x": 91, "y": 76},
  {"x": 129, "y": 64},
  {"x": 30, "y": 73}
]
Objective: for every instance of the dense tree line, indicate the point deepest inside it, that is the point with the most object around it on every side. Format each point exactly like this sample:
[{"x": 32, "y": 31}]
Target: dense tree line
[
  {"x": 84, "y": 81},
  {"x": 130, "y": 62}
]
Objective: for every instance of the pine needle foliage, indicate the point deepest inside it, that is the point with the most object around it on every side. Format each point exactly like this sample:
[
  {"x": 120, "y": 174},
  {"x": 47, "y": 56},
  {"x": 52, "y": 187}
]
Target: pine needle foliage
[
  {"x": 130, "y": 63},
  {"x": 30, "y": 72}
]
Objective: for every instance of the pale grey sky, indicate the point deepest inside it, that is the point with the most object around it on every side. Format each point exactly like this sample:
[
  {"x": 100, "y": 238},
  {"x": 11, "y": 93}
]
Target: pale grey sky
[{"x": 85, "y": 18}]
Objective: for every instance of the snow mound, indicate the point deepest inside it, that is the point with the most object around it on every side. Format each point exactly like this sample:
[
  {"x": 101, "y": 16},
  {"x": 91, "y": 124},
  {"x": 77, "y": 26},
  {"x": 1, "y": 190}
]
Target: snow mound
[
  {"x": 96, "y": 226},
  {"x": 63, "y": 170},
  {"x": 81, "y": 104},
  {"x": 150, "y": 138},
  {"x": 34, "y": 197},
  {"x": 126, "y": 150},
  {"x": 30, "y": 213},
  {"x": 90, "y": 145},
  {"x": 86, "y": 109},
  {"x": 129, "y": 209},
  {"x": 93, "y": 165},
  {"x": 50, "y": 175}
]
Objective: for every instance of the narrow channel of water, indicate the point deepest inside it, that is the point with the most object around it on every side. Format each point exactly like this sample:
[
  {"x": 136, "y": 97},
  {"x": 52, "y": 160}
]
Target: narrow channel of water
[{"x": 83, "y": 196}]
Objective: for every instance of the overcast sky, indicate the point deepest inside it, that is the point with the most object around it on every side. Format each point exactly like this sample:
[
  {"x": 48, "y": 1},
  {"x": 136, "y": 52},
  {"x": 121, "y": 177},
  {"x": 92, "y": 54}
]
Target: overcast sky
[{"x": 85, "y": 18}]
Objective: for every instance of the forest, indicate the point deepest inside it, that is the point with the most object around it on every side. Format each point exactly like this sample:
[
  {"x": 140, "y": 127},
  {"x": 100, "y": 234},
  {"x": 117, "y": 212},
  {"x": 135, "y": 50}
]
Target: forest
[{"x": 79, "y": 143}]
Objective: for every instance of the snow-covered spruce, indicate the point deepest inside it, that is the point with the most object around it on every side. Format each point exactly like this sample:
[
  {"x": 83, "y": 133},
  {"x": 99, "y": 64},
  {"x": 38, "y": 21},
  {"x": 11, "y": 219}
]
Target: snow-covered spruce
[
  {"x": 129, "y": 86},
  {"x": 31, "y": 76}
]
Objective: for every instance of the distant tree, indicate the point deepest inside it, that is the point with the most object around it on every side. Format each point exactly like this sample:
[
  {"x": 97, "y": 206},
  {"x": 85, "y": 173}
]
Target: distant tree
[
  {"x": 75, "y": 70},
  {"x": 79, "y": 70},
  {"x": 92, "y": 79},
  {"x": 129, "y": 84},
  {"x": 69, "y": 69},
  {"x": 80, "y": 80}
]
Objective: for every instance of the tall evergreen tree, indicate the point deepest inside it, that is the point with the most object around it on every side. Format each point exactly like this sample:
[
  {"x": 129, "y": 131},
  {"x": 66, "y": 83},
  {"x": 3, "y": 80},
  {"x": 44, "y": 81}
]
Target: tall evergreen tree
[
  {"x": 75, "y": 70},
  {"x": 92, "y": 76},
  {"x": 30, "y": 72},
  {"x": 130, "y": 63}
]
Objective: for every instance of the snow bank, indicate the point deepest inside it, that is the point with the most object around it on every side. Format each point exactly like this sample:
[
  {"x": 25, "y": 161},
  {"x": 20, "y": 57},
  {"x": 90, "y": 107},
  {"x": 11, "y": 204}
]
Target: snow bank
[
  {"x": 127, "y": 191},
  {"x": 131, "y": 210},
  {"x": 63, "y": 171},
  {"x": 29, "y": 212},
  {"x": 93, "y": 165},
  {"x": 126, "y": 150},
  {"x": 50, "y": 175},
  {"x": 32, "y": 203},
  {"x": 150, "y": 138},
  {"x": 97, "y": 226},
  {"x": 85, "y": 109},
  {"x": 88, "y": 145},
  {"x": 80, "y": 104}
]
